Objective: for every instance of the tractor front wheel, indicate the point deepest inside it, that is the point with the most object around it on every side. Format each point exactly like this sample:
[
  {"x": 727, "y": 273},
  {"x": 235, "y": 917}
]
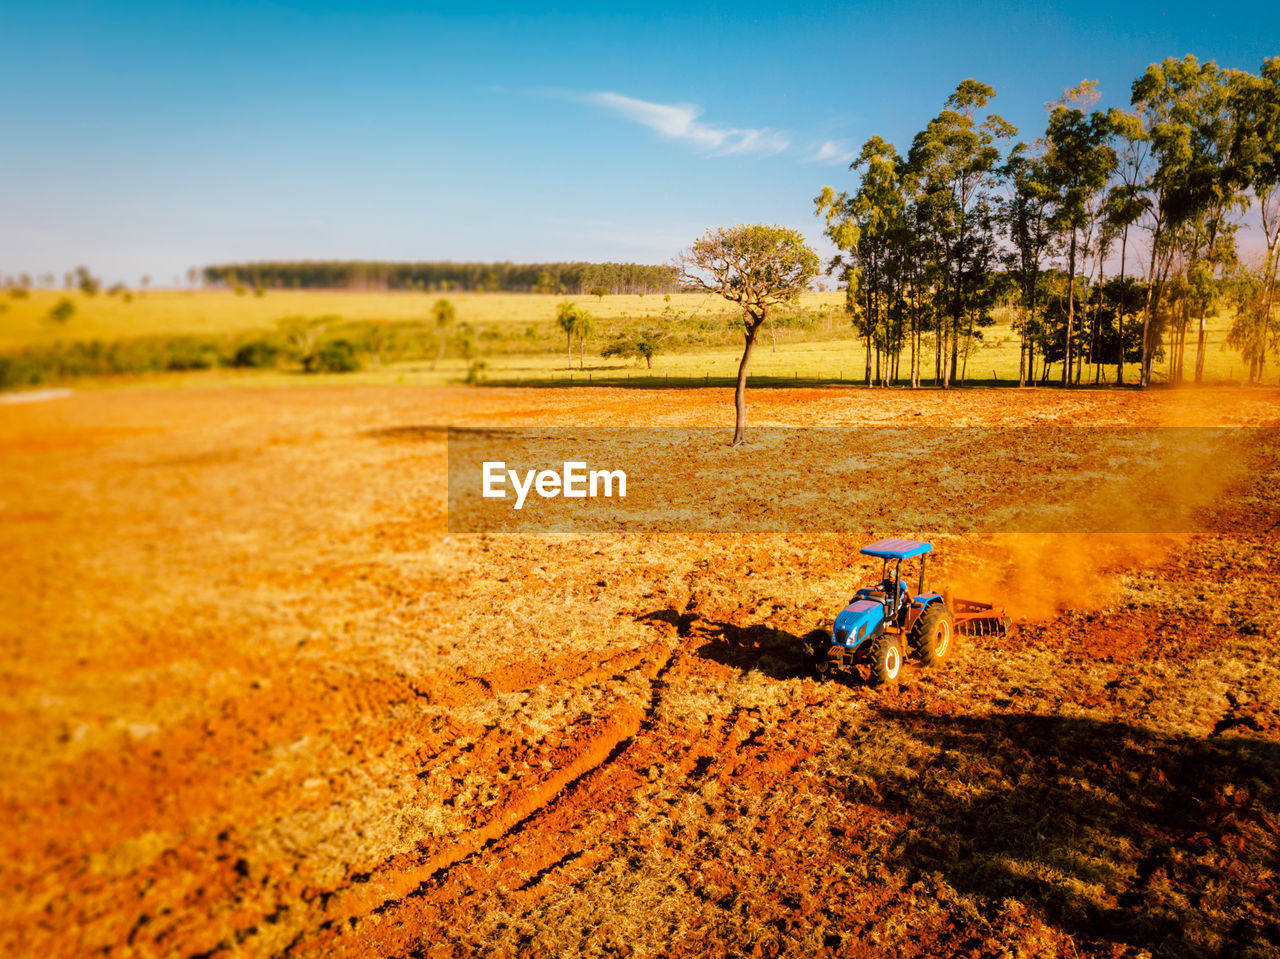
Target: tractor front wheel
[
  {"x": 886, "y": 659},
  {"x": 934, "y": 635}
]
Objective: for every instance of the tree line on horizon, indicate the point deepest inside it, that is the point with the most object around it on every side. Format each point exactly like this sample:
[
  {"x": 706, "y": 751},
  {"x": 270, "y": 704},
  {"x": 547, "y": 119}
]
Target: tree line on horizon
[
  {"x": 562, "y": 278},
  {"x": 971, "y": 218}
]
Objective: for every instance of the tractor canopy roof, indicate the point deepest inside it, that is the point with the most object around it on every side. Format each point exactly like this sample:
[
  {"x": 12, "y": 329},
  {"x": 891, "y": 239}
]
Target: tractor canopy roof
[{"x": 896, "y": 548}]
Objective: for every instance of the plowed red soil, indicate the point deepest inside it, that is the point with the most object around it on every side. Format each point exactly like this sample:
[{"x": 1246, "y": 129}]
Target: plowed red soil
[{"x": 256, "y": 699}]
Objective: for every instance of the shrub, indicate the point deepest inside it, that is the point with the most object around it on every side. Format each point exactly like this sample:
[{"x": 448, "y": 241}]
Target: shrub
[
  {"x": 637, "y": 345},
  {"x": 333, "y": 356},
  {"x": 18, "y": 371},
  {"x": 476, "y": 371},
  {"x": 149, "y": 354},
  {"x": 62, "y": 311},
  {"x": 303, "y": 336},
  {"x": 187, "y": 355},
  {"x": 256, "y": 354},
  {"x": 465, "y": 340}
]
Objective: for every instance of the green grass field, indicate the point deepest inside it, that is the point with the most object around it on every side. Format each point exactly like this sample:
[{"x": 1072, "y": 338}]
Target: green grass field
[
  {"x": 824, "y": 352},
  {"x": 25, "y": 321}
]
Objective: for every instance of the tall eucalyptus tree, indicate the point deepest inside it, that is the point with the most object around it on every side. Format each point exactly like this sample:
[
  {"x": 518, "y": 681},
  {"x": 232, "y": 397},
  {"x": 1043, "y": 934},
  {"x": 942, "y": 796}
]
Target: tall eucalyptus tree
[
  {"x": 1256, "y": 104},
  {"x": 956, "y": 162},
  {"x": 1079, "y": 160},
  {"x": 1028, "y": 215},
  {"x": 863, "y": 226},
  {"x": 1126, "y": 203},
  {"x": 1193, "y": 183}
]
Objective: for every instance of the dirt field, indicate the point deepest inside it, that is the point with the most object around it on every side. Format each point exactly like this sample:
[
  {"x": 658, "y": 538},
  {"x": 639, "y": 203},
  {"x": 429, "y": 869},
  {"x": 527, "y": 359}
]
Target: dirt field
[{"x": 256, "y": 699}]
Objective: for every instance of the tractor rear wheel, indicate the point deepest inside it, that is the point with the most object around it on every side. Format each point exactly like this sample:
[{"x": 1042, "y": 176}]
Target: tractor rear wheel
[
  {"x": 886, "y": 659},
  {"x": 934, "y": 635}
]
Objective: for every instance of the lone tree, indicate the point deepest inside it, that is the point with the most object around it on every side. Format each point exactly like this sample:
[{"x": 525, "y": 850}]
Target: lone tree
[
  {"x": 759, "y": 268},
  {"x": 444, "y": 314}
]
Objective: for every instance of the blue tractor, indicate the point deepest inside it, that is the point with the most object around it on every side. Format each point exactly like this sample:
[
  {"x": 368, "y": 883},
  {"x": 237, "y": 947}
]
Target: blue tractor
[{"x": 885, "y": 623}]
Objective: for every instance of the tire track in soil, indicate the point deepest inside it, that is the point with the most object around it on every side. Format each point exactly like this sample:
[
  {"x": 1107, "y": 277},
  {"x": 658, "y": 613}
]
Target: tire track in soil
[
  {"x": 552, "y": 841},
  {"x": 568, "y": 836},
  {"x": 288, "y": 709},
  {"x": 486, "y": 754},
  {"x": 407, "y": 892},
  {"x": 194, "y": 881}
]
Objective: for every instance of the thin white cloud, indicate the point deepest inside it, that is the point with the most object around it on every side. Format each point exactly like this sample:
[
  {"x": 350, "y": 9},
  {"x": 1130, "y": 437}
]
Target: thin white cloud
[
  {"x": 832, "y": 152},
  {"x": 679, "y": 121}
]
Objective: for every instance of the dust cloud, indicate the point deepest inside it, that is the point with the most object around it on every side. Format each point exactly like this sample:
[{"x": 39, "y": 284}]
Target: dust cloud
[{"x": 1038, "y": 575}]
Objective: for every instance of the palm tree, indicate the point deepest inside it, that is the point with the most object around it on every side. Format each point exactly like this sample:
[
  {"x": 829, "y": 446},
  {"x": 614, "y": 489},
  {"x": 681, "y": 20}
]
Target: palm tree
[{"x": 567, "y": 318}]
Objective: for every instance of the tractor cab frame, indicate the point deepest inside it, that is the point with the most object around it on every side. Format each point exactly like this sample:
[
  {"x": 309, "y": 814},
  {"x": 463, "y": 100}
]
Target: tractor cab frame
[{"x": 900, "y": 608}]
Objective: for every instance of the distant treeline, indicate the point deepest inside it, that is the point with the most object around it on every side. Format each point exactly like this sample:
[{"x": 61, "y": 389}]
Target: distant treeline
[{"x": 570, "y": 278}]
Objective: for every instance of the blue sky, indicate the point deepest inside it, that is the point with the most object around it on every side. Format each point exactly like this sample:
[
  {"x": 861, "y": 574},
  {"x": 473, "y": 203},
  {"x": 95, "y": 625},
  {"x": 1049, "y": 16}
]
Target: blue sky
[{"x": 145, "y": 138}]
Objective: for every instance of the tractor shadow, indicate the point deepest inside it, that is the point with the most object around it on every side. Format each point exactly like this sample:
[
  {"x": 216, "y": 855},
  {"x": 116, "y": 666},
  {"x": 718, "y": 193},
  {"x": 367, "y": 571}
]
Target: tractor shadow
[
  {"x": 1112, "y": 832},
  {"x": 775, "y": 653}
]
